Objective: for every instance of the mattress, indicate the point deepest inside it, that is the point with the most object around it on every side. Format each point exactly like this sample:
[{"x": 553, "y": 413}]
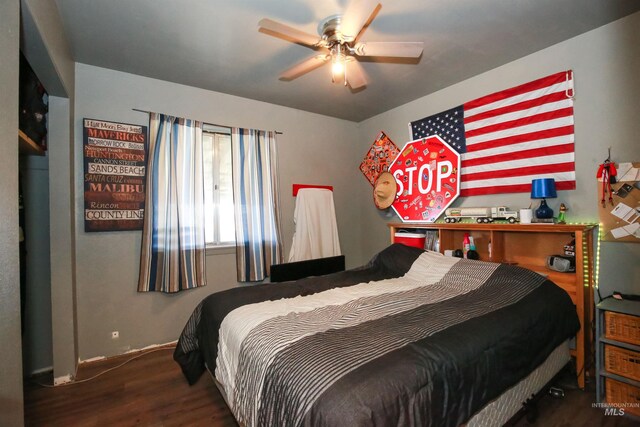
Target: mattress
[{"x": 502, "y": 409}]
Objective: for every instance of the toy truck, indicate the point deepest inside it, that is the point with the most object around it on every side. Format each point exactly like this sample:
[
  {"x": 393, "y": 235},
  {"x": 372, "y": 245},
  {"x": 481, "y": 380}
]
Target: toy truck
[{"x": 481, "y": 214}]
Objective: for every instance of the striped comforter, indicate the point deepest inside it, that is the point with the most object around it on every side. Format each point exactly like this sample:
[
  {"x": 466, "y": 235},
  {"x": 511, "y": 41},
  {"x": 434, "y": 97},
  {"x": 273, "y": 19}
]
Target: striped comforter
[{"x": 427, "y": 346}]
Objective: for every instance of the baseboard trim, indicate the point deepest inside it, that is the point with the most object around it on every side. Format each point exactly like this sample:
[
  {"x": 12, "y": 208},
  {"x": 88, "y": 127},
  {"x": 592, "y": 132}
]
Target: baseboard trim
[
  {"x": 128, "y": 353},
  {"x": 62, "y": 380}
]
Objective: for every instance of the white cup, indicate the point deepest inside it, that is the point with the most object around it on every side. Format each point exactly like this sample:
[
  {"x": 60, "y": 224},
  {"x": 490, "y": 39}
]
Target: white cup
[{"x": 526, "y": 215}]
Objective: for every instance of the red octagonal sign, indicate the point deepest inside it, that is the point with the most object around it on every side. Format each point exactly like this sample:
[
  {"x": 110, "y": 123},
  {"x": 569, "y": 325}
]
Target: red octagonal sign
[{"x": 427, "y": 172}]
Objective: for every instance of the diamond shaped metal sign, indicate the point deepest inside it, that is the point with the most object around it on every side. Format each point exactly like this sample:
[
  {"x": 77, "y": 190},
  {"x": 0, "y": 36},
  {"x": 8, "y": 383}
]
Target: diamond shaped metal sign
[{"x": 427, "y": 172}]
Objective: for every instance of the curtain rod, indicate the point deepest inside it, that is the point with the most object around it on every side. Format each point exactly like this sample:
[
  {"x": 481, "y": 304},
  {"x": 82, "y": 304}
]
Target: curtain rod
[{"x": 212, "y": 124}]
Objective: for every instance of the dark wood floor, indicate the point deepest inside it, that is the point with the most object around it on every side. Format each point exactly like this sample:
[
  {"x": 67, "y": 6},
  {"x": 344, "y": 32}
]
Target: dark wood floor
[{"x": 151, "y": 391}]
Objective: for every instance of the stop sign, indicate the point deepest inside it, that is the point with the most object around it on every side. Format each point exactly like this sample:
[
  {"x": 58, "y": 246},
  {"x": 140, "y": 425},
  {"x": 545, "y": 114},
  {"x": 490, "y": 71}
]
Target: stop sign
[{"x": 427, "y": 172}]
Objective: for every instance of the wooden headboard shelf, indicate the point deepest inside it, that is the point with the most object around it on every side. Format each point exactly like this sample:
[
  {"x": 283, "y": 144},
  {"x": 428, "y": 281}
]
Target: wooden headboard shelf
[{"x": 528, "y": 246}]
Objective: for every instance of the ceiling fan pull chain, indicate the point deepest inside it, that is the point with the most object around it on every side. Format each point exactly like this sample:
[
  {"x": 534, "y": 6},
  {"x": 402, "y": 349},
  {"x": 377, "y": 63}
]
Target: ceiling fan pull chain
[{"x": 345, "y": 71}]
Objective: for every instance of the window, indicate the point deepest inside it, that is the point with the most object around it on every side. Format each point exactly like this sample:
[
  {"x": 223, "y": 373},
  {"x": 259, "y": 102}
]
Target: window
[{"x": 220, "y": 226}]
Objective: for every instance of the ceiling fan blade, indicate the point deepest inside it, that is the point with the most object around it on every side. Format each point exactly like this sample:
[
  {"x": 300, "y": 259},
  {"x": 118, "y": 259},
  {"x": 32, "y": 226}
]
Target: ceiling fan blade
[
  {"x": 289, "y": 33},
  {"x": 357, "y": 15},
  {"x": 391, "y": 49},
  {"x": 304, "y": 67},
  {"x": 356, "y": 76}
]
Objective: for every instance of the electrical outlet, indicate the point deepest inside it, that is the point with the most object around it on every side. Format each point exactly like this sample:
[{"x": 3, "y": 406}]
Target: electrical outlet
[{"x": 115, "y": 335}]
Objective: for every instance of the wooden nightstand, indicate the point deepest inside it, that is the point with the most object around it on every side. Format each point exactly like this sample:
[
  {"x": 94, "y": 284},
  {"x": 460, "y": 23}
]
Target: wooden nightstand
[{"x": 618, "y": 354}]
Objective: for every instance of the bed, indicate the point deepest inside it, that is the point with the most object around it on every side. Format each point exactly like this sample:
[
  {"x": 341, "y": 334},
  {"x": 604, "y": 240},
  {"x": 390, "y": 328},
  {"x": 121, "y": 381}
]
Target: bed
[{"x": 412, "y": 338}]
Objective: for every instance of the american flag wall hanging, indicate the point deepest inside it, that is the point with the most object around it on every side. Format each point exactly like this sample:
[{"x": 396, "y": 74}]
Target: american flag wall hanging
[{"x": 508, "y": 138}]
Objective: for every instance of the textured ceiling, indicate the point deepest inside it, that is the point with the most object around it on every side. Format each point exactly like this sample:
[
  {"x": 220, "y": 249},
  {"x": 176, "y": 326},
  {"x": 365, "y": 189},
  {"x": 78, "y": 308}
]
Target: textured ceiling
[{"x": 216, "y": 45}]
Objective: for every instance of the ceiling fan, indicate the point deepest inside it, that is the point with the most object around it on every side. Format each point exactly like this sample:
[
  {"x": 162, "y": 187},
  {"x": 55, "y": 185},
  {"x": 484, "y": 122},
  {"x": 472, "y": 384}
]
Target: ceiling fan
[{"x": 338, "y": 44}]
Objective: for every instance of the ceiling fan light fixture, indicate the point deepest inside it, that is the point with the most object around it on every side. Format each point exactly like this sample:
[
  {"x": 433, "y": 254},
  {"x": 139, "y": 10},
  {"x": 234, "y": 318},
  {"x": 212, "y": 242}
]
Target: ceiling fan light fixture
[
  {"x": 338, "y": 64},
  {"x": 338, "y": 44}
]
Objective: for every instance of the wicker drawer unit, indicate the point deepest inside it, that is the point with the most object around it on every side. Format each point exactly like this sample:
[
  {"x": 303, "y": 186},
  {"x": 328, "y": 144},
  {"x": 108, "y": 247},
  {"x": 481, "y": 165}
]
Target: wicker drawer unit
[
  {"x": 622, "y": 362},
  {"x": 623, "y": 395},
  {"x": 618, "y": 355},
  {"x": 622, "y": 327}
]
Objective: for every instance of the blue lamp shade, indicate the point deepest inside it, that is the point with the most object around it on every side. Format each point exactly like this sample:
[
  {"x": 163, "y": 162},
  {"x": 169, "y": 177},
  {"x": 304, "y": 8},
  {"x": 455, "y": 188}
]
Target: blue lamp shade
[{"x": 541, "y": 189}]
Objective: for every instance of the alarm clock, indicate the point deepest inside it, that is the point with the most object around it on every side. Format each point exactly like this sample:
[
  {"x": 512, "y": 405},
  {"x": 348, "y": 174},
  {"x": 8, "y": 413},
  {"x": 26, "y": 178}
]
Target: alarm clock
[{"x": 561, "y": 263}]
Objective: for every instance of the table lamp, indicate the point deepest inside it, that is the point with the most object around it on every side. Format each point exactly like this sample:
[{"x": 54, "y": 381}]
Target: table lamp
[{"x": 543, "y": 188}]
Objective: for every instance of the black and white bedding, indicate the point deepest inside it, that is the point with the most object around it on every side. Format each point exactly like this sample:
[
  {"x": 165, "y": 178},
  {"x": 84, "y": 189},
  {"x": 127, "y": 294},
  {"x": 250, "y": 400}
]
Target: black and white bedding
[{"x": 413, "y": 338}]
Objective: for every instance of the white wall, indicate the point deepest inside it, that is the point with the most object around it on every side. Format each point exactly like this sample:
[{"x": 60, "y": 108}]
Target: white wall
[
  {"x": 313, "y": 149},
  {"x": 606, "y": 65},
  {"x": 61, "y": 200},
  {"x": 36, "y": 339},
  {"x": 11, "y": 400},
  {"x": 44, "y": 45}
]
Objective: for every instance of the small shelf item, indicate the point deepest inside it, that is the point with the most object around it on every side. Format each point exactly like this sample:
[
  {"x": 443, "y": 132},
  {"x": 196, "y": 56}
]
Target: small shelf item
[
  {"x": 481, "y": 215},
  {"x": 618, "y": 355},
  {"x": 543, "y": 188}
]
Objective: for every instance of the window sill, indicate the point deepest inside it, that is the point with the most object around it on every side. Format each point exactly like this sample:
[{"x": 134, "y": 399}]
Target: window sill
[{"x": 220, "y": 250}]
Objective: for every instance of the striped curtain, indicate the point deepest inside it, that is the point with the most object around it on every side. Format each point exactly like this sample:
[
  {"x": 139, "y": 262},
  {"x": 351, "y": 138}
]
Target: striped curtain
[
  {"x": 172, "y": 258},
  {"x": 256, "y": 202}
]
